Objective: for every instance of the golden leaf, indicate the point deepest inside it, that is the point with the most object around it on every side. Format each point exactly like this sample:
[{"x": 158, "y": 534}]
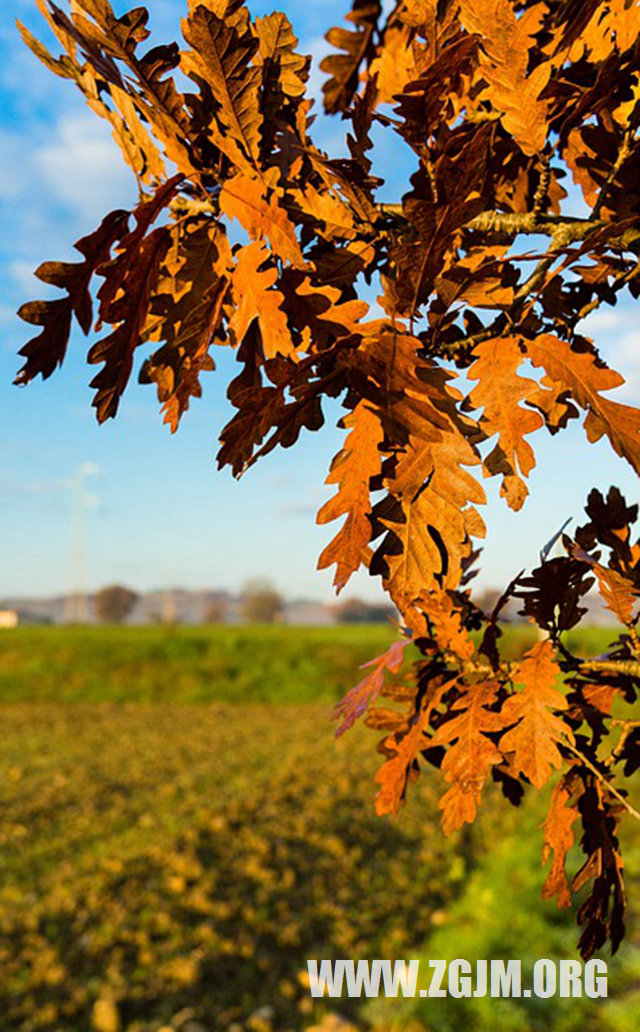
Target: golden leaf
[
  {"x": 535, "y": 738},
  {"x": 352, "y": 469},
  {"x": 395, "y": 65},
  {"x": 255, "y": 298},
  {"x": 499, "y": 393},
  {"x": 506, "y": 42},
  {"x": 471, "y": 755},
  {"x": 245, "y": 198},
  {"x": 581, "y": 373},
  {"x": 357, "y": 699}
]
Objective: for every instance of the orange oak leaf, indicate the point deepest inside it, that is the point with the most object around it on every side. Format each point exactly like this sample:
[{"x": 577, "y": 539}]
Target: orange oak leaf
[
  {"x": 352, "y": 470},
  {"x": 471, "y": 754},
  {"x": 395, "y": 65},
  {"x": 619, "y": 594},
  {"x": 430, "y": 512},
  {"x": 360, "y": 697},
  {"x": 515, "y": 93},
  {"x": 535, "y": 738},
  {"x": 405, "y": 747},
  {"x": 284, "y": 71},
  {"x": 499, "y": 393},
  {"x": 438, "y": 607},
  {"x": 245, "y": 199},
  {"x": 585, "y": 377},
  {"x": 559, "y": 837},
  {"x": 256, "y": 299},
  {"x": 430, "y": 534}
]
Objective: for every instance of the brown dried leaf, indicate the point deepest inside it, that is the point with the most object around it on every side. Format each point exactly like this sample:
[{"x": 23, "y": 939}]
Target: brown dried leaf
[
  {"x": 506, "y": 41},
  {"x": 359, "y": 698},
  {"x": 585, "y": 377},
  {"x": 221, "y": 56},
  {"x": 471, "y": 755},
  {"x": 499, "y": 393},
  {"x": 535, "y": 738},
  {"x": 357, "y": 46},
  {"x": 47, "y": 351},
  {"x": 255, "y": 298},
  {"x": 352, "y": 469}
]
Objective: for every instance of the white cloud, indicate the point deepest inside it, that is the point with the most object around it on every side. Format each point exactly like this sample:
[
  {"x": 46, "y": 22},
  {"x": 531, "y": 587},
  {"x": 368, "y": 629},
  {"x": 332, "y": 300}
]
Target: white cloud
[
  {"x": 615, "y": 334},
  {"x": 21, "y": 273},
  {"x": 56, "y": 184},
  {"x": 607, "y": 320},
  {"x": 81, "y": 167},
  {"x": 626, "y": 360}
]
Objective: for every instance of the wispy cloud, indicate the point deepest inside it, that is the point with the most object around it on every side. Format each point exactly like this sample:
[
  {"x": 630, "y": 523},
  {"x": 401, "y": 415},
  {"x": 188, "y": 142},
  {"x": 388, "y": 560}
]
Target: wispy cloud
[
  {"x": 72, "y": 168},
  {"x": 615, "y": 332}
]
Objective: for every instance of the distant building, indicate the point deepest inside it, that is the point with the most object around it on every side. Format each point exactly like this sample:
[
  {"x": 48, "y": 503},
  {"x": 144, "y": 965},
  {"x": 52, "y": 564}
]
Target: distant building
[
  {"x": 8, "y": 619},
  {"x": 307, "y": 614}
]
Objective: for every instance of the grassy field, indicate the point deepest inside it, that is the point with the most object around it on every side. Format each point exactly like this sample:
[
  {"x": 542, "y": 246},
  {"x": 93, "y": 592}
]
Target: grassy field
[
  {"x": 171, "y": 865},
  {"x": 205, "y": 664}
]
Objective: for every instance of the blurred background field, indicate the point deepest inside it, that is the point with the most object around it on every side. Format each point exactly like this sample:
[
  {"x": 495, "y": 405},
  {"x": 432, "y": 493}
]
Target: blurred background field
[
  {"x": 250, "y": 663},
  {"x": 180, "y": 832}
]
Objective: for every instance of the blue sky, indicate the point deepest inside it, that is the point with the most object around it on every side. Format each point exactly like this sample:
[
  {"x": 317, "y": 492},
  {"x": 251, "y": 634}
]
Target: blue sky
[{"x": 159, "y": 513}]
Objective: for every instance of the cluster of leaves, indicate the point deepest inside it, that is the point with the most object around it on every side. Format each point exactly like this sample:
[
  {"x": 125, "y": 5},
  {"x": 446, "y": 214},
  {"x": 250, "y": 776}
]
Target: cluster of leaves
[
  {"x": 497, "y": 101},
  {"x": 477, "y": 717}
]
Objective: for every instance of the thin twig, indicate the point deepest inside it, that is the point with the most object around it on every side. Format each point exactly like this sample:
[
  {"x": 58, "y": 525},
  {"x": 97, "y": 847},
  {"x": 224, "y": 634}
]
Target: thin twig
[
  {"x": 627, "y": 727},
  {"x": 543, "y": 188},
  {"x": 611, "y": 788},
  {"x": 623, "y": 154},
  {"x": 626, "y": 667}
]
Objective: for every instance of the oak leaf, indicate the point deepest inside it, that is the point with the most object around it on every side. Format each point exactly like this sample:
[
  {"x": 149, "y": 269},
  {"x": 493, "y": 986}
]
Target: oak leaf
[
  {"x": 537, "y": 734},
  {"x": 47, "y": 351},
  {"x": 620, "y": 594},
  {"x": 256, "y": 299},
  {"x": 585, "y": 377},
  {"x": 559, "y": 836},
  {"x": 403, "y": 750},
  {"x": 429, "y": 534},
  {"x": 352, "y": 470},
  {"x": 284, "y": 71},
  {"x": 247, "y": 199},
  {"x": 499, "y": 393},
  {"x": 187, "y": 314},
  {"x": 449, "y": 631},
  {"x": 356, "y": 46},
  {"x": 360, "y": 697},
  {"x": 506, "y": 41},
  {"x": 221, "y": 56},
  {"x": 471, "y": 754}
]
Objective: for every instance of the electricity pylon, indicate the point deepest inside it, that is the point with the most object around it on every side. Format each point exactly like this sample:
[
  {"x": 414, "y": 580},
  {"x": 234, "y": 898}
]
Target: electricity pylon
[{"x": 76, "y": 607}]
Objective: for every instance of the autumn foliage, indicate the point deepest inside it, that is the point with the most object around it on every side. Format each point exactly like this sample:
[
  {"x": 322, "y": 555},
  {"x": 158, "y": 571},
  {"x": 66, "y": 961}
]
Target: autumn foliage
[{"x": 475, "y": 348}]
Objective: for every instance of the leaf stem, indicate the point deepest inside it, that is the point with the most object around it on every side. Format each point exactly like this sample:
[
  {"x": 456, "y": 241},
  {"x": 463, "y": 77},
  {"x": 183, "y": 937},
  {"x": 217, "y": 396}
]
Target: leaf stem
[{"x": 611, "y": 788}]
